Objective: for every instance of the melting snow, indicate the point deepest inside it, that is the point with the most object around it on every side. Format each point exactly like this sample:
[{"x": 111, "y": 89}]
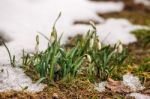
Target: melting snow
[
  {"x": 133, "y": 82},
  {"x": 139, "y": 96},
  {"x": 114, "y": 30},
  {"x": 101, "y": 86},
  {"x": 129, "y": 80},
  {"x": 14, "y": 78}
]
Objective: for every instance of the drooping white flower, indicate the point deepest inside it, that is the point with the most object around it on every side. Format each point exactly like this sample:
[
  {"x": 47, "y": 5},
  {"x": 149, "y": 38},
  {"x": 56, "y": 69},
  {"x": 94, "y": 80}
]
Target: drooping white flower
[
  {"x": 118, "y": 47},
  {"x": 37, "y": 44},
  {"x": 91, "y": 42},
  {"x": 98, "y": 45},
  {"x": 88, "y": 57},
  {"x": 52, "y": 39}
]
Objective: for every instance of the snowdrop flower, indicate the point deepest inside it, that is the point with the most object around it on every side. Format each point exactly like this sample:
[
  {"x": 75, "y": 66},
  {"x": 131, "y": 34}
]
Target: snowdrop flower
[
  {"x": 93, "y": 35},
  {"x": 98, "y": 45},
  {"x": 52, "y": 39},
  {"x": 88, "y": 57},
  {"x": 54, "y": 31},
  {"x": 91, "y": 42},
  {"x": 37, "y": 44},
  {"x": 119, "y": 47}
]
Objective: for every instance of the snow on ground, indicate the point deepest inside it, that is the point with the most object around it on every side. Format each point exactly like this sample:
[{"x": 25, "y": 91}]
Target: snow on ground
[
  {"x": 14, "y": 78},
  {"x": 129, "y": 80},
  {"x": 145, "y": 2},
  {"x": 101, "y": 87},
  {"x": 20, "y": 20},
  {"x": 116, "y": 29},
  {"x": 133, "y": 82},
  {"x": 139, "y": 96}
]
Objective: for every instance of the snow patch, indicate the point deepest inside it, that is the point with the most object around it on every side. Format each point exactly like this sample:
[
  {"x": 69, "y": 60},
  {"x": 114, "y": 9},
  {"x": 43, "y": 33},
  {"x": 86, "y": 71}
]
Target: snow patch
[
  {"x": 15, "y": 79},
  {"x": 114, "y": 30},
  {"x": 101, "y": 86},
  {"x": 129, "y": 80},
  {"x": 103, "y": 7},
  {"x": 139, "y": 96},
  {"x": 133, "y": 82}
]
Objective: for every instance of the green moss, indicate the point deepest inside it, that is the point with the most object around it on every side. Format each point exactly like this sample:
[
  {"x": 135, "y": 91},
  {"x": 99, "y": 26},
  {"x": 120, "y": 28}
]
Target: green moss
[{"x": 143, "y": 36}]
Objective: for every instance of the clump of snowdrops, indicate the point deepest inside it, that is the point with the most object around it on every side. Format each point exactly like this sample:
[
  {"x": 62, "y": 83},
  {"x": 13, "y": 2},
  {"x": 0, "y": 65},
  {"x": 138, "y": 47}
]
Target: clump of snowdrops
[
  {"x": 59, "y": 63},
  {"x": 103, "y": 60}
]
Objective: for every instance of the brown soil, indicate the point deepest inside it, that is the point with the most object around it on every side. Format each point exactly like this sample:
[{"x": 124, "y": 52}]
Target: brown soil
[
  {"x": 135, "y": 13},
  {"x": 63, "y": 91}
]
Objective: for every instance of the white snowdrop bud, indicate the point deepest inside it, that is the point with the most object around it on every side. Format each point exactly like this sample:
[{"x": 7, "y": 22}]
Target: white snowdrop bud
[
  {"x": 91, "y": 42},
  {"x": 88, "y": 57},
  {"x": 119, "y": 47},
  {"x": 99, "y": 46},
  {"x": 37, "y": 44},
  {"x": 52, "y": 39}
]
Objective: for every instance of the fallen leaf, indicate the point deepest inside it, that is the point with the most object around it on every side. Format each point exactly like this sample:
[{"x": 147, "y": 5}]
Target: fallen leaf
[{"x": 117, "y": 86}]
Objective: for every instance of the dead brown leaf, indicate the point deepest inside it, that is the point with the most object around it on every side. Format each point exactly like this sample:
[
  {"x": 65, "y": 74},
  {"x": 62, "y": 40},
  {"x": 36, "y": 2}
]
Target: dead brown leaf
[{"x": 117, "y": 86}]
